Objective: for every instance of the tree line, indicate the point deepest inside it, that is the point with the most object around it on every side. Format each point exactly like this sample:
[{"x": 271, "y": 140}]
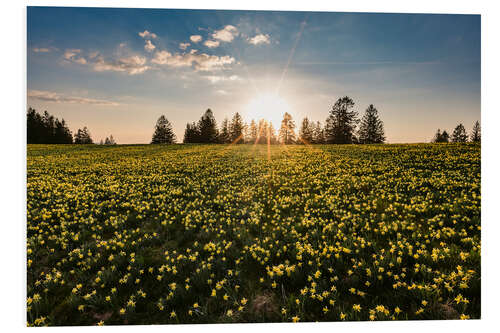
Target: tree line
[
  {"x": 45, "y": 128},
  {"x": 341, "y": 127},
  {"x": 459, "y": 134}
]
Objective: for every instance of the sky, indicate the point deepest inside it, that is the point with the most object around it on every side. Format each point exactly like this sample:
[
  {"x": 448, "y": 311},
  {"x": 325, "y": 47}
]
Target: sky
[{"x": 117, "y": 70}]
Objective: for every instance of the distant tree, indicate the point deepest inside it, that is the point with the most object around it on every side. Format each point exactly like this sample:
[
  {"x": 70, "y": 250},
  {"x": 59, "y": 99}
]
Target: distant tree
[
  {"x": 252, "y": 132},
  {"x": 341, "y": 123},
  {"x": 475, "y": 135},
  {"x": 441, "y": 137},
  {"x": 163, "y": 132},
  {"x": 224, "y": 131},
  {"x": 101, "y": 142},
  {"x": 371, "y": 129},
  {"x": 236, "y": 129},
  {"x": 287, "y": 129},
  {"x": 83, "y": 136},
  {"x": 459, "y": 134},
  {"x": 191, "y": 134},
  {"x": 106, "y": 141},
  {"x": 318, "y": 134},
  {"x": 112, "y": 140},
  {"x": 306, "y": 132},
  {"x": 445, "y": 137},
  {"x": 207, "y": 127},
  {"x": 272, "y": 134}
]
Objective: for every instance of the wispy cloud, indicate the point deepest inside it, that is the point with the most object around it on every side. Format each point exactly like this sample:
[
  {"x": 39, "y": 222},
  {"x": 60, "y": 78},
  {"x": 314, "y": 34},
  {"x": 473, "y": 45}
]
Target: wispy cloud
[
  {"x": 41, "y": 49},
  {"x": 50, "y": 96},
  {"x": 200, "y": 61},
  {"x": 226, "y": 34},
  {"x": 184, "y": 46},
  {"x": 220, "y": 78},
  {"x": 196, "y": 38},
  {"x": 131, "y": 65},
  {"x": 211, "y": 44},
  {"x": 146, "y": 34},
  {"x": 73, "y": 55},
  {"x": 259, "y": 39}
]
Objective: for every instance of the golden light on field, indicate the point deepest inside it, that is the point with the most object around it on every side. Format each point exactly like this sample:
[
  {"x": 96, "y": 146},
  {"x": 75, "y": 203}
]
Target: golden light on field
[{"x": 268, "y": 106}]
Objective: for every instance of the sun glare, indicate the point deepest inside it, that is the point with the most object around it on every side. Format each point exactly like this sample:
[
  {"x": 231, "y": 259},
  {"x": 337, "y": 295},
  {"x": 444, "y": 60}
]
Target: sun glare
[{"x": 270, "y": 107}]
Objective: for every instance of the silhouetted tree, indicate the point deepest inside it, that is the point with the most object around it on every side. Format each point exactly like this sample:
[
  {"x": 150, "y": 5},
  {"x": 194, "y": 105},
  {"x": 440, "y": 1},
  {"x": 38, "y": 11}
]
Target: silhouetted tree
[
  {"x": 459, "y": 134},
  {"x": 475, "y": 135},
  {"x": 306, "y": 132},
  {"x": 318, "y": 133},
  {"x": 109, "y": 141},
  {"x": 441, "y": 137},
  {"x": 207, "y": 127},
  {"x": 163, "y": 131},
  {"x": 82, "y": 136},
  {"x": 341, "y": 123},
  {"x": 287, "y": 129},
  {"x": 236, "y": 129},
  {"x": 224, "y": 132},
  {"x": 191, "y": 134},
  {"x": 371, "y": 129},
  {"x": 46, "y": 128}
]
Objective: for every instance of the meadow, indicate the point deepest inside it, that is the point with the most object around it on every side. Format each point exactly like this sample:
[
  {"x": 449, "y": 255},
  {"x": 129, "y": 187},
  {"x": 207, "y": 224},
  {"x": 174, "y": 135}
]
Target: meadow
[{"x": 161, "y": 234}]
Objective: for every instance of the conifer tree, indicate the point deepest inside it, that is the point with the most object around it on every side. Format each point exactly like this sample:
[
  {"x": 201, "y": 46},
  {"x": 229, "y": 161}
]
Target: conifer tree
[
  {"x": 475, "y": 135},
  {"x": 341, "y": 123},
  {"x": 287, "y": 129},
  {"x": 236, "y": 129},
  {"x": 459, "y": 134},
  {"x": 163, "y": 131},
  {"x": 371, "y": 129},
  {"x": 306, "y": 131},
  {"x": 207, "y": 127}
]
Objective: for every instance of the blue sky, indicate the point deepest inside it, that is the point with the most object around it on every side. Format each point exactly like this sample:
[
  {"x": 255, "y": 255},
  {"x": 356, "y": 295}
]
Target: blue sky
[{"x": 117, "y": 70}]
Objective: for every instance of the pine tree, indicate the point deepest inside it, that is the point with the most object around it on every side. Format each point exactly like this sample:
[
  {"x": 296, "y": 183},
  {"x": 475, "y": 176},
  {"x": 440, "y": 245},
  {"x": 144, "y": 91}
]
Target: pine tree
[
  {"x": 459, "y": 134},
  {"x": 272, "y": 134},
  {"x": 224, "y": 132},
  {"x": 287, "y": 129},
  {"x": 191, "y": 134},
  {"x": 445, "y": 137},
  {"x": 475, "y": 135},
  {"x": 371, "y": 129},
  {"x": 252, "y": 132},
  {"x": 112, "y": 140},
  {"x": 306, "y": 131},
  {"x": 207, "y": 127},
  {"x": 236, "y": 129},
  {"x": 318, "y": 134},
  {"x": 163, "y": 131},
  {"x": 341, "y": 123}
]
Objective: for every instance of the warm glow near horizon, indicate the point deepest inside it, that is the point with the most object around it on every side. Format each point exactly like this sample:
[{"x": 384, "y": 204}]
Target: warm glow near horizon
[{"x": 267, "y": 106}]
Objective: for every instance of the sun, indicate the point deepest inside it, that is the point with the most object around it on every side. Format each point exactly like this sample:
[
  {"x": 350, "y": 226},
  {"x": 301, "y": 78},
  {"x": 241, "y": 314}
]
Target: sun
[{"x": 268, "y": 106}]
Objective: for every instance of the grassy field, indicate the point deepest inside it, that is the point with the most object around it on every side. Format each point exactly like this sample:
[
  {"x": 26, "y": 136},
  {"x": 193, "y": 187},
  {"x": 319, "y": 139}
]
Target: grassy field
[{"x": 152, "y": 234}]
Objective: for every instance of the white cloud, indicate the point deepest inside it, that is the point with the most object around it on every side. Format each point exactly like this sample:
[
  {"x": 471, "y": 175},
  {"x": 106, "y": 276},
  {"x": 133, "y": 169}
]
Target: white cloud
[
  {"x": 41, "y": 50},
  {"x": 201, "y": 62},
  {"x": 50, "y": 96},
  {"x": 196, "y": 38},
  {"x": 226, "y": 34},
  {"x": 184, "y": 46},
  {"x": 259, "y": 39},
  {"x": 220, "y": 78},
  {"x": 72, "y": 55},
  {"x": 211, "y": 43},
  {"x": 149, "y": 46},
  {"x": 131, "y": 65},
  {"x": 221, "y": 92},
  {"x": 146, "y": 34}
]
